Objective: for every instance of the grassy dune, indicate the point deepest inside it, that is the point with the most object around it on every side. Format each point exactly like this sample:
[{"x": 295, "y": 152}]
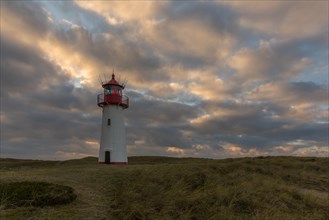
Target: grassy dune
[{"x": 172, "y": 188}]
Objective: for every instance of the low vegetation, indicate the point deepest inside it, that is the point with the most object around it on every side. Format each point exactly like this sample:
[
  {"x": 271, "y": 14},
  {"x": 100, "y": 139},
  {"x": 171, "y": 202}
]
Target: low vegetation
[
  {"x": 33, "y": 193},
  {"x": 177, "y": 188}
]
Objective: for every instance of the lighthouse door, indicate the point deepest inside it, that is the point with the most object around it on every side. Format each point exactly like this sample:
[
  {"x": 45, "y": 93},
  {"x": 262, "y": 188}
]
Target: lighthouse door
[{"x": 107, "y": 157}]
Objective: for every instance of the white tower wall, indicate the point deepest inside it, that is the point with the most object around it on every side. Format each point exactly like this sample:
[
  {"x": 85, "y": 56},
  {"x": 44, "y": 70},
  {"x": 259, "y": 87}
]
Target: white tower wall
[{"x": 113, "y": 136}]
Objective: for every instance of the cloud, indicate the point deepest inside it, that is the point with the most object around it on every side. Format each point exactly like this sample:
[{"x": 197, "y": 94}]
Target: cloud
[
  {"x": 120, "y": 12},
  {"x": 294, "y": 92},
  {"x": 31, "y": 18},
  {"x": 301, "y": 101},
  {"x": 37, "y": 95},
  {"x": 273, "y": 60},
  {"x": 205, "y": 79},
  {"x": 285, "y": 19},
  {"x": 201, "y": 39}
]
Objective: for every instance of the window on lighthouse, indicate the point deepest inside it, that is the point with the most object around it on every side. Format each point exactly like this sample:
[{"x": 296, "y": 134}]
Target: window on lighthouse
[
  {"x": 107, "y": 90},
  {"x": 113, "y": 90}
]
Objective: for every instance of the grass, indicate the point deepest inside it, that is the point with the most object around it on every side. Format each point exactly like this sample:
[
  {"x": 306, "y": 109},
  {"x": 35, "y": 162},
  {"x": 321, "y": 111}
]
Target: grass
[
  {"x": 179, "y": 188},
  {"x": 34, "y": 193}
]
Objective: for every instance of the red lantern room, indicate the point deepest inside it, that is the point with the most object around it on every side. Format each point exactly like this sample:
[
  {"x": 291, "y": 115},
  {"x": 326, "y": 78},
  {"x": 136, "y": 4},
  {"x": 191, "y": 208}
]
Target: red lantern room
[{"x": 113, "y": 94}]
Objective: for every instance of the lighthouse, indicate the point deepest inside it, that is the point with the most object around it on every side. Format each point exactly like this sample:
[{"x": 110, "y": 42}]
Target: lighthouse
[{"x": 113, "y": 135}]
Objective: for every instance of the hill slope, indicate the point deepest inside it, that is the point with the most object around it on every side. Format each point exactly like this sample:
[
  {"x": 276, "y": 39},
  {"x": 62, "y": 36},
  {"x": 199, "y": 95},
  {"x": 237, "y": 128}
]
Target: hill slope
[{"x": 179, "y": 188}]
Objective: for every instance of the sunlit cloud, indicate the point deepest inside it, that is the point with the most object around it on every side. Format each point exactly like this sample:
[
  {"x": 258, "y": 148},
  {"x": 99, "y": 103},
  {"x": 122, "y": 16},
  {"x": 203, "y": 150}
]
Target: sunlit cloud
[
  {"x": 284, "y": 18},
  {"x": 313, "y": 151},
  {"x": 270, "y": 61},
  {"x": 119, "y": 12},
  {"x": 284, "y": 149},
  {"x": 176, "y": 150}
]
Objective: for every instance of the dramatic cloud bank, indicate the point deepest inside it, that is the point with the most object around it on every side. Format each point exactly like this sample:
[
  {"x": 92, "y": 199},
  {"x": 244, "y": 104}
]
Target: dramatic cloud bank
[{"x": 210, "y": 79}]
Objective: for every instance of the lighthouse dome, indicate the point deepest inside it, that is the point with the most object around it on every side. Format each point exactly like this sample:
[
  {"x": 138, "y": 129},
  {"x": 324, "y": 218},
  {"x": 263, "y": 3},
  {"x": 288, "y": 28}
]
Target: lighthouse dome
[{"x": 113, "y": 82}]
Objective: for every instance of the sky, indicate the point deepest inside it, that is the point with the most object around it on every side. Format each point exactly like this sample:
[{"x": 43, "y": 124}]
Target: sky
[{"x": 210, "y": 79}]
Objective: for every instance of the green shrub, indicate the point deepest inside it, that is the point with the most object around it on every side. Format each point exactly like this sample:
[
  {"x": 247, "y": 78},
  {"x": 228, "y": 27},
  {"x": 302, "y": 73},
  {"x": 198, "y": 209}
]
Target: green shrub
[{"x": 29, "y": 193}]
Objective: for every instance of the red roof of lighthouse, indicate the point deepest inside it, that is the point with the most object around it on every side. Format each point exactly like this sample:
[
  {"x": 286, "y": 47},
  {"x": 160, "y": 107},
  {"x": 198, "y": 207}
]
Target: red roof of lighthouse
[{"x": 113, "y": 82}]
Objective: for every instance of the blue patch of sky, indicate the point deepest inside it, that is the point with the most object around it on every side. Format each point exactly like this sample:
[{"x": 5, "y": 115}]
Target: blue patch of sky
[
  {"x": 69, "y": 11},
  {"x": 187, "y": 99},
  {"x": 316, "y": 72}
]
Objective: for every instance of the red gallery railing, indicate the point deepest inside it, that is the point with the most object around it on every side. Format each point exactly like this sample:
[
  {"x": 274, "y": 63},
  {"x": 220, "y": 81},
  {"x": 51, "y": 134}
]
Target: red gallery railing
[{"x": 112, "y": 99}]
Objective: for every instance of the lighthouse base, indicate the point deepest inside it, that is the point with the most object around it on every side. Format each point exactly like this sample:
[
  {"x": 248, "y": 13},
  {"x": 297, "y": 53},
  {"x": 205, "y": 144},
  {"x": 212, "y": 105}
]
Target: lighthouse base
[{"x": 114, "y": 163}]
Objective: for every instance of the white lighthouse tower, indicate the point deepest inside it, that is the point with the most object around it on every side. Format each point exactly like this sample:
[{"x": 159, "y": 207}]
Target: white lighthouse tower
[{"x": 113, "y": 137}]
